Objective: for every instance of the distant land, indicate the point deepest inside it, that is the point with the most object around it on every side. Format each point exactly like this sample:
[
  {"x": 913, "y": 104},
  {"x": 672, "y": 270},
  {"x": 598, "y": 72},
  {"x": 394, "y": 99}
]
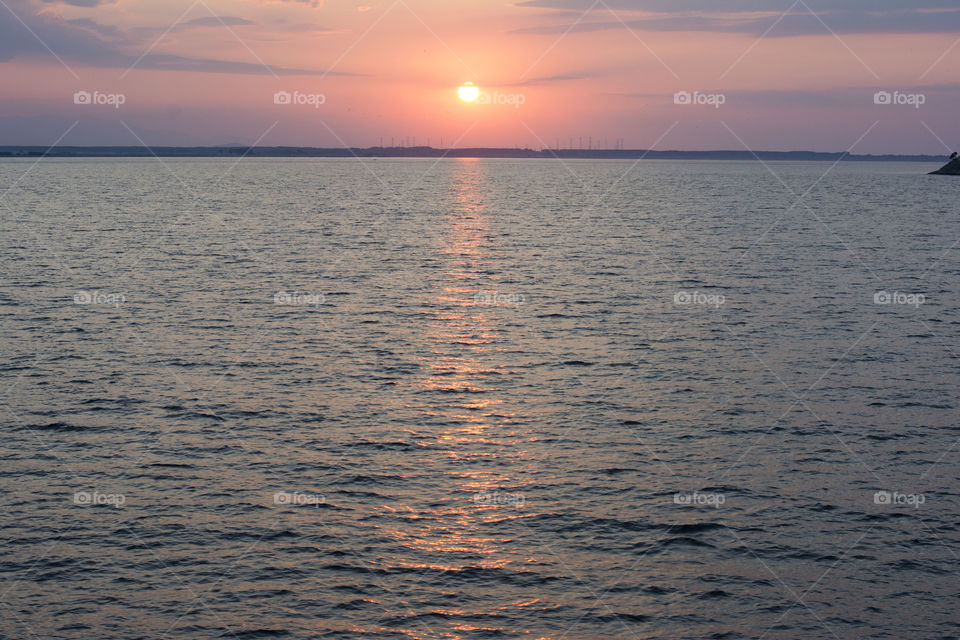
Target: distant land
[{"x": 431, "y": 152}]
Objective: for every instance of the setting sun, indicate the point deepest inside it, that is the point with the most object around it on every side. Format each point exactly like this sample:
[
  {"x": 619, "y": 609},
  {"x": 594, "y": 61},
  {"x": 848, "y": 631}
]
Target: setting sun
[{"x": 468, "y": 92}]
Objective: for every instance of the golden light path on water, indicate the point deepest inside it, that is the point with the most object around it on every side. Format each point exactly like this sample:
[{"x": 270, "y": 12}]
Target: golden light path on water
[{"x": 460, "y": 357}]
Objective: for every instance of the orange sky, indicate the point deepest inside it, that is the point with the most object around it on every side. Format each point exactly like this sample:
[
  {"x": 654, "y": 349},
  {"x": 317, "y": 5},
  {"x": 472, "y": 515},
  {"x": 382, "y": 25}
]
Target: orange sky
[{"x": 206, "y": 72}]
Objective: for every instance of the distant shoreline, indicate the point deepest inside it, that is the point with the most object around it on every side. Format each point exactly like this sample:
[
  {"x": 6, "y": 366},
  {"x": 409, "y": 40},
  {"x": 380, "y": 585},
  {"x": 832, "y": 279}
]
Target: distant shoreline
[{"x": 430, "y": 152}]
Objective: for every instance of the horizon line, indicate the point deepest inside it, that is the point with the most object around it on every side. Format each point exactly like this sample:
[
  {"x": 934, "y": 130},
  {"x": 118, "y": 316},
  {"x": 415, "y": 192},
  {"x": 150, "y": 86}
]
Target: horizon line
[{"x": 426, "y": 151}]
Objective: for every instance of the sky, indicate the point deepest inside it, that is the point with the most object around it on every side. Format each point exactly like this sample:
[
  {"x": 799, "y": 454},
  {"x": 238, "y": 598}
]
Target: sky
[{"x": 868, "y": 76}]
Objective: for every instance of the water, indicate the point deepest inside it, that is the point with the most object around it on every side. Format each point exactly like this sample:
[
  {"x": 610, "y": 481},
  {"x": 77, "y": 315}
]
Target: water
[{"x": 500, "y": 399}]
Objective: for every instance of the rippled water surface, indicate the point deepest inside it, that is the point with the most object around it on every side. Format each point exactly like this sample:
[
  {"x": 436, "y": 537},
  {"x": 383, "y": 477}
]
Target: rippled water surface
[{"x": 478, "y": 399}]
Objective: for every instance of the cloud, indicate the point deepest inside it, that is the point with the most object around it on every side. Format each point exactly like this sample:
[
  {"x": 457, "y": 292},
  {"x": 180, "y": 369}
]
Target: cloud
[
  {"x": 314, "y": 4},
  {"x": 214, "y": 21},
  {"x": 107, "y": 31},
  {"x": 738, "y": 6},
  {"x": 28, "y": 35},
  {"x": 836, "y": 98},
  {"x": 81, "y": 3},
  {"x": 563, "y": 77},
  {"x": 797, "y": 23},
  {"x": 141, "y": 34}
]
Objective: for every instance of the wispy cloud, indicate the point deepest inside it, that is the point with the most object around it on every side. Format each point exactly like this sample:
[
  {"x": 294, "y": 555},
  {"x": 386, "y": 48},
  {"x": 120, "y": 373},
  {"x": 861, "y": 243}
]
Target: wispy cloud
[
  {"x": 27, "y": 34},
  {"x": 214, "y": 21},
  {"x": 316, "y": 4},
  {"x": 739, "y": 6},
  {"x": 554, "y": 79},
  {"x": 756, "y": 17},
  {"x": 81, "y": 3},
  {"x": 841, "y": 97}
]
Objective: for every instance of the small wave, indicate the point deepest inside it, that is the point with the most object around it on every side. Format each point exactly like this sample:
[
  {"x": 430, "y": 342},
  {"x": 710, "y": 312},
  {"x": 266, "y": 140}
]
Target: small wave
[
  {"x": 57, "y": 426},
  {"x": 254, "y": 634},
  {"x": 695, "y": 527},
  {"x": 674, "y": 541},
  {"x": 714, "y": 594}
]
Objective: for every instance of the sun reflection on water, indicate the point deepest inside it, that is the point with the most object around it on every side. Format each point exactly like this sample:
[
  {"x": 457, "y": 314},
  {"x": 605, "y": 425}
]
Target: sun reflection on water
[
  {"x": 461, "y": 368},
  {"x": 472, "y": 427}
]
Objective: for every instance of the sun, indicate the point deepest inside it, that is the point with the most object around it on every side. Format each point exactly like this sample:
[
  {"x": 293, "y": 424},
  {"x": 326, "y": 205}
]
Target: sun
[{"x": 468, "y": 92}]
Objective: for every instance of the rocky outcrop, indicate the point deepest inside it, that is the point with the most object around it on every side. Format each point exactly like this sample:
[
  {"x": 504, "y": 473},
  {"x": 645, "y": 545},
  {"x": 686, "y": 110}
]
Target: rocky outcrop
[{"x": 952, "y": 168}]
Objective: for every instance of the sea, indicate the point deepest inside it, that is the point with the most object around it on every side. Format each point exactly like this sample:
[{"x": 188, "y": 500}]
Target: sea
[{"x": 478, "y": 399}]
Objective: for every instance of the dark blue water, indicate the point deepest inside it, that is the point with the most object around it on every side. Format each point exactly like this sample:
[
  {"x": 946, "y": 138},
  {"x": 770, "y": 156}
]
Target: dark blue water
[{"x": 478, "y": 399}]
